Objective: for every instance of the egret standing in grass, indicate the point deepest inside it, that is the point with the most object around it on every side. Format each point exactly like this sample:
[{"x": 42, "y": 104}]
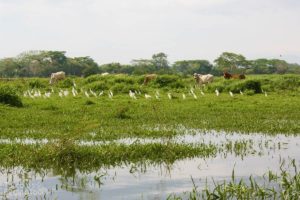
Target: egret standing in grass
[
  {"x": 110, "y": 94},
  {"x": 87, "y": 94},
  {"x": 217, "y": 92},
  {"x": 183, "y": 96},
  {"x": 230, "y": 93},
  {"x": 132, "y": 94},
  {"x": 147, "y": 96},
  {"x": 157, "y": 95},
  {"x": 202, "y": 93},
  {"x": 169, "y": 95},
  {"x": 241, "y": 92}
]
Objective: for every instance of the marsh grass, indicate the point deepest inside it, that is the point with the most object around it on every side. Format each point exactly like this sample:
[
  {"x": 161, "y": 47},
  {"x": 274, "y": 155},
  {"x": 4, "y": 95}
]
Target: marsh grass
[{"x": 285, "y": 185}]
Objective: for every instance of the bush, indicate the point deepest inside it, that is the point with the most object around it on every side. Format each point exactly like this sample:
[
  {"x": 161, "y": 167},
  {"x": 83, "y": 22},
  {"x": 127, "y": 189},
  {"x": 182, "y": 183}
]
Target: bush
[
  {"x": 9, "y": 96},
  {"x": 254, "y": 85},
  {"x": 98, "y": 85},
  {"x": 36, "y": 83},
  {"x": 67, "y": 83},
  {"x": 171, "y": 81}
]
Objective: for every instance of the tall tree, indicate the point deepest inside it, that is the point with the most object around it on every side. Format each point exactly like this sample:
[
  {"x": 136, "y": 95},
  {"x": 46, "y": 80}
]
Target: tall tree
[{"x": 231, "y": 61}]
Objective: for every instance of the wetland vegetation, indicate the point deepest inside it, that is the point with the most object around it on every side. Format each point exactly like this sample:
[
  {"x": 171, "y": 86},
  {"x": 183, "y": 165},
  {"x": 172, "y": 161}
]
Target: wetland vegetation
[{"x": 103, "y": 127}]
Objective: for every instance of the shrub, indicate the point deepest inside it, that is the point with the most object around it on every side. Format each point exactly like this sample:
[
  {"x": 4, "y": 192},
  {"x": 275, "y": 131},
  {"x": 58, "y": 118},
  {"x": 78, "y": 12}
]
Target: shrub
[
  {"x": 171, "y": 81},
  {"x": 9, "y": 96},
  {"x": 98, "y": 85},
  {"x": 36, "y": 83},
  {"x": 254, "y": 85},
  {"x": 66, "y": 83}
]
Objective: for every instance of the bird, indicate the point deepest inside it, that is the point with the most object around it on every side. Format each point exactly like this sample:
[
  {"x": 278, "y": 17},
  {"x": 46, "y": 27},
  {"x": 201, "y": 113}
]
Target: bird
[
  {"x": 241, "y": 92},
  {"x": 66, "y": 92},
  {"x": 231, "y": 94},
  {"x": 157, "y": 95},
  {"x": 266, "y": 94},
  {"x": 195, "y": 96},
  {"x": 100, "y": 93},
  {"x": 93, "y": 93},
  {"x": 74, "y": 92},
  {"x": 202, "y": 93},
  {"x": 147, "y": 96},
  {"x": 217, "y": 92},
  {"x": 47, "y": 94},
  {"x": 169, "y": 95},
  {"x": 183, "y": 96},
  {"x": 87, "y": 94},
  {"x": 132, "y": 94},
  {"x": 110, "y": 94}
]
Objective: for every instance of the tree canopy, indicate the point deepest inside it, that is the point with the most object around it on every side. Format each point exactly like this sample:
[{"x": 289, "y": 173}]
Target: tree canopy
[{"x": 43, "y": 63}]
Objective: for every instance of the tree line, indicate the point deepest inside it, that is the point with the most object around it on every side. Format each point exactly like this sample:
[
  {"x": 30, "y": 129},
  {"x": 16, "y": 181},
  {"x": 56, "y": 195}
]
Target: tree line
[{"x": 43, "y": 63}]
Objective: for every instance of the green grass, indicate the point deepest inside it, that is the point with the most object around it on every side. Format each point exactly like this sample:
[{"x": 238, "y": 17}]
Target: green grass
[{"x": 122, "y": 117}]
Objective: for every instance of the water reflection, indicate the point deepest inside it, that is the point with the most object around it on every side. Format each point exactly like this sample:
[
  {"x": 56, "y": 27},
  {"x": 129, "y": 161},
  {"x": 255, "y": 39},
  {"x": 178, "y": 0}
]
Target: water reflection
[{"x": 155, "y": 181}]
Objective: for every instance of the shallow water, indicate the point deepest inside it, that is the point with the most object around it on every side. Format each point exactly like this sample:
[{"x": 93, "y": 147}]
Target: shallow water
[{"x": 155, "y": 181}]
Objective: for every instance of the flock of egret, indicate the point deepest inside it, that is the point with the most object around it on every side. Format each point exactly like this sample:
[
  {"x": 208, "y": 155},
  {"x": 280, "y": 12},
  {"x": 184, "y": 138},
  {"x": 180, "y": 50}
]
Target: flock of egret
[{"x": 132, "y": 94}]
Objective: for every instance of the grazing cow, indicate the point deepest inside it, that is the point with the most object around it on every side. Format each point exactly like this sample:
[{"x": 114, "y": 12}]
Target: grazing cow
[
  {"x": 55, "y": 77},
  {"x": 148, "y": 78},
  {"x": 203, "y": 79},
  {"x": 233, "y": 76}
]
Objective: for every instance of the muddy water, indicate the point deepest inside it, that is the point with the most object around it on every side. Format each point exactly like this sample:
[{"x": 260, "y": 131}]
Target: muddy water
[{"x": 154, "y": 182}]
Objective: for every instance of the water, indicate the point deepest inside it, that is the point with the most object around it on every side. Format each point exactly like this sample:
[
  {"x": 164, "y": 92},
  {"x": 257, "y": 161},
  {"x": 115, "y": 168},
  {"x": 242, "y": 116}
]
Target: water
[{"x": 143, "y": 181}]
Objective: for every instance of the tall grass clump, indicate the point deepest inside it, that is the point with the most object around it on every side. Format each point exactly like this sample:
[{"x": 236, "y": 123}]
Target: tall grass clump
[
  {"x": 171, "y": 81},
  {"x": 37, "y": 83},
  {"x": 8, "y": 95}
]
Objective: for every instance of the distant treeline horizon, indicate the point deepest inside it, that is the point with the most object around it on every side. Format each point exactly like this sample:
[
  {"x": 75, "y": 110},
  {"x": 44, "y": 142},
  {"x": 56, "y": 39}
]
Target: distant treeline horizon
[{"x": 43, "y": 63}]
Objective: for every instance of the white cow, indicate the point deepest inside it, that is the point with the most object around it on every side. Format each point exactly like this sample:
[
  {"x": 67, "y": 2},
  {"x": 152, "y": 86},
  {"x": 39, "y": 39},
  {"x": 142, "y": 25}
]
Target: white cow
[
  {"x": 57, "y": 76},
  {"x": 203, "y": 79}
]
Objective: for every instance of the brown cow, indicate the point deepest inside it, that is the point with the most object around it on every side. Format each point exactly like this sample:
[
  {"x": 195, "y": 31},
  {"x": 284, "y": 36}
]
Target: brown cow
[
  {"x": 148, "y": 78},
  {"x": 233, "y": 76}
]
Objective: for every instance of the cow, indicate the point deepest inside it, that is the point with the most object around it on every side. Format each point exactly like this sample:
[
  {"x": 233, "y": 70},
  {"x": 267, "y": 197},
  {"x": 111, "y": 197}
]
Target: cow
[
  {"x": 203, "y": 79},
  {"x": 148, "y": 78},
  {"x": 55, "y": 77},
  {"x": 233, "y": 76}
]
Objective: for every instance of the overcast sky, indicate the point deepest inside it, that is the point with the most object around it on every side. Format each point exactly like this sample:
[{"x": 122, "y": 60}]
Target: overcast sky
[{"x": 122, "y": 30}]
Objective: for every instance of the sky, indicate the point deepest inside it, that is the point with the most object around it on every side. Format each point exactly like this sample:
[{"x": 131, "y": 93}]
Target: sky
[{"x": 122, "y": 30}]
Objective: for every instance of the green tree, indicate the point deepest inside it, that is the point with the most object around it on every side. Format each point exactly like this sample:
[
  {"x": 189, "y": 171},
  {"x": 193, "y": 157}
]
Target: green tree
[
  {"x": 192, "y": 66},
  {"x": 231, "y": 61}
]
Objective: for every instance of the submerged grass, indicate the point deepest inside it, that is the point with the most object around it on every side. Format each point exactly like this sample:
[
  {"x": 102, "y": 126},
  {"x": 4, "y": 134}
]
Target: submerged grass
[{"x": 65, "y": 156}]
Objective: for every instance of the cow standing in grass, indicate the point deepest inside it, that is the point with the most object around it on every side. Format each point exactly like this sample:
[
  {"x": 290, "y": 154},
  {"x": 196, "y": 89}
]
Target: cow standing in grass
[
  {"x": 55, "y": 77},
  {"x": 148, "y": 78},
  {"x": 203, "y": 79},
  {"x": 233, "y": 76}
]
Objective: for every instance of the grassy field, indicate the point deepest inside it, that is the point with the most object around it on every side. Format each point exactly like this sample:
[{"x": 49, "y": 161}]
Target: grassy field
[{"x": 268, "y": 104}]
